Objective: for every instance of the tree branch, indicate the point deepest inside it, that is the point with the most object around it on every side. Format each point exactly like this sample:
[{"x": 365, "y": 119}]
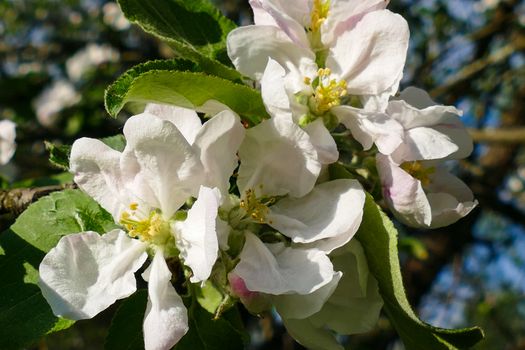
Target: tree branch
[
  {"x": 516, "y": 135},
  {"x": 14, "y": 201}
]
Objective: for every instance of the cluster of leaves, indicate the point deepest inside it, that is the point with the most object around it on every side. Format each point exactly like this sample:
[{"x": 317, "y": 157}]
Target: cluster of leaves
[{"x": 196, "y": 31}]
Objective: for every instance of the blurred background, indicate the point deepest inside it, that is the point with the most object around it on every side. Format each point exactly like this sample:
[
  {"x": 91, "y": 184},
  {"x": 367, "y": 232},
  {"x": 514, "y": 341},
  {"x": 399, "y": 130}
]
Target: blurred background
[{"x": 58, "y": 56}]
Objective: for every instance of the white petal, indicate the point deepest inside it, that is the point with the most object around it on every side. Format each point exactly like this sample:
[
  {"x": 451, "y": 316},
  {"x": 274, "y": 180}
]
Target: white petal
[
  {"x": 96, "y": 169},
  {"x": 7, "y": 140},
  {"x": 302, "y": 306},
  {"x": 344, "y": 15},
  {"x": 186, "y": 120},
  {"x": 198, "y": 243},
  {"x": 279, "y": 156},
  {"x": 275, "y": 269},
  {"x": 250, "y": 47},
  {"x": 403, "y": 193},
  {"x": 449, "y": 198},
  {"x": 217, "y": 143},
  {"x": 323, "y": 142},
  {"x": 371, "y": 56},
  {"x": 85, "y": 273},
  {"x": 424, "y": 144},
  {"x": 310, "y": 335},
  {"x": 371, "y": 127},
  {"x": 454, "y": 142},
  {"x": 273, "y": 90},
  {"x": 342, "y": 204},
  {"x": 161, "y": 167},
  {"x": 166, "y": 318}
]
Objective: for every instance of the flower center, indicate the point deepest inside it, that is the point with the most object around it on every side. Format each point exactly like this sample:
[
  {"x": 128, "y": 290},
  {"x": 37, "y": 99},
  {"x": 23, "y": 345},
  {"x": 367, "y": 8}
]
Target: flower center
[
  {"x": 418, "y": 171},
  {"x": 256, "y": 208},
  {"x": 327, "y": 92},
  {"x": 319, "y": 14},
  {"x": 153, "y": 229}
]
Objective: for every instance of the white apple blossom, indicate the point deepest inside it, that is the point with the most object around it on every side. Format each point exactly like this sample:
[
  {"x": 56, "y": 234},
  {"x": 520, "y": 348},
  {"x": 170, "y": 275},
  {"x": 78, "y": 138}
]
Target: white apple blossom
[
  {"x": 311, "y": 56},
  {"x": 7, "y": 141},
  {"x": 169, "y": 157},
  {"x": 424, "y": 193},
  {"x": 315, "y": 224}
]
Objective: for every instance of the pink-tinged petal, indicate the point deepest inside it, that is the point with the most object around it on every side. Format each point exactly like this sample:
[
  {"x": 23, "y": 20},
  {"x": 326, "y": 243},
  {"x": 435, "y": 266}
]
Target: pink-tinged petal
[
  {"x": 371, "y": 127},
  {"x": 186, "y": 120},
  {"x": 286, "y": 15},
  {"x": 217, "y": 144},
  {"x": 344, "y": 15},
  {"x": 7, "y": 140},
  {"x": 254, "y": 302},
  {"x": 166, "y": 318},
  {"x": 403, "y": 194},
  {"x": 279, "y": 156},
  {"x": 250, "y": 48},
  {"x": 85, "y": 273},
  {"x": 276, "y": 269},
  {"x": 96, "y": 169},
  {"x": 323, "y": 142},
  {"x": 449, "y": 198},
  {"x": 371, "y": 56},
  {"x": 300, "y": 218},
  {"x": 311, "y": 336},
  {"x": 302, "y": 306},
  {"x": 160, "y": 166},
  {"x": 198, "y": 243}
]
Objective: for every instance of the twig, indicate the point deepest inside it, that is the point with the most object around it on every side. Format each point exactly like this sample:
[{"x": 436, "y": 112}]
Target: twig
[
  {"x": 477, "y": 66},
  {"x": 512, "y": 136},
  {"x": 15, "y": 201}
]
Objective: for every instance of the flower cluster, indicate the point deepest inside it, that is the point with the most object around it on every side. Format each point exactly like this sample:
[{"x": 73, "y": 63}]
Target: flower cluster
[{"x": 253, "y": 211}]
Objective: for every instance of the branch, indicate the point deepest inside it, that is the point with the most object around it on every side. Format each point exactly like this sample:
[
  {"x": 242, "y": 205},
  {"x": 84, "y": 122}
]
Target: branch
[
  {"x": 511, "y": 136},
  {"x": 15, "y": 201},
  {"x": 475, "y": 67}
]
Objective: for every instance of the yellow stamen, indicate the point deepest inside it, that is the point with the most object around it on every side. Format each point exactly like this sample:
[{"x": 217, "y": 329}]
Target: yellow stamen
[
  {"x": 327, "y": 93},
  {"x": 319, "y": 14},
  {"x": 418, "y": 171},
  {"x": 256, "y": 208},
  {"x": 153, "y": 229}
]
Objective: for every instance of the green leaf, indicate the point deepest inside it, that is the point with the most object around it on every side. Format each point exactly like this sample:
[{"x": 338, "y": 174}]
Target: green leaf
[
  {"x": 117, "y": 142},
  {"x": 25, "y": 316},
  {"x": 194, "y": 29},
  {"x": 206, "y": 333},
  {"x": 209, "y": 297},
  {"x": 59, "y": 154},
  {"x": 186, "y": 89},
  {"x": 125, "y": 332},
  {"x": 378, "y": 236},
  {"x": 59, "y": 214}
]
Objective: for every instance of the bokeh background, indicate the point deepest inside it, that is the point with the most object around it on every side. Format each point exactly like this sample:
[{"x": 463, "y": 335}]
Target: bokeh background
[{"x": 57, "y": 57}]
